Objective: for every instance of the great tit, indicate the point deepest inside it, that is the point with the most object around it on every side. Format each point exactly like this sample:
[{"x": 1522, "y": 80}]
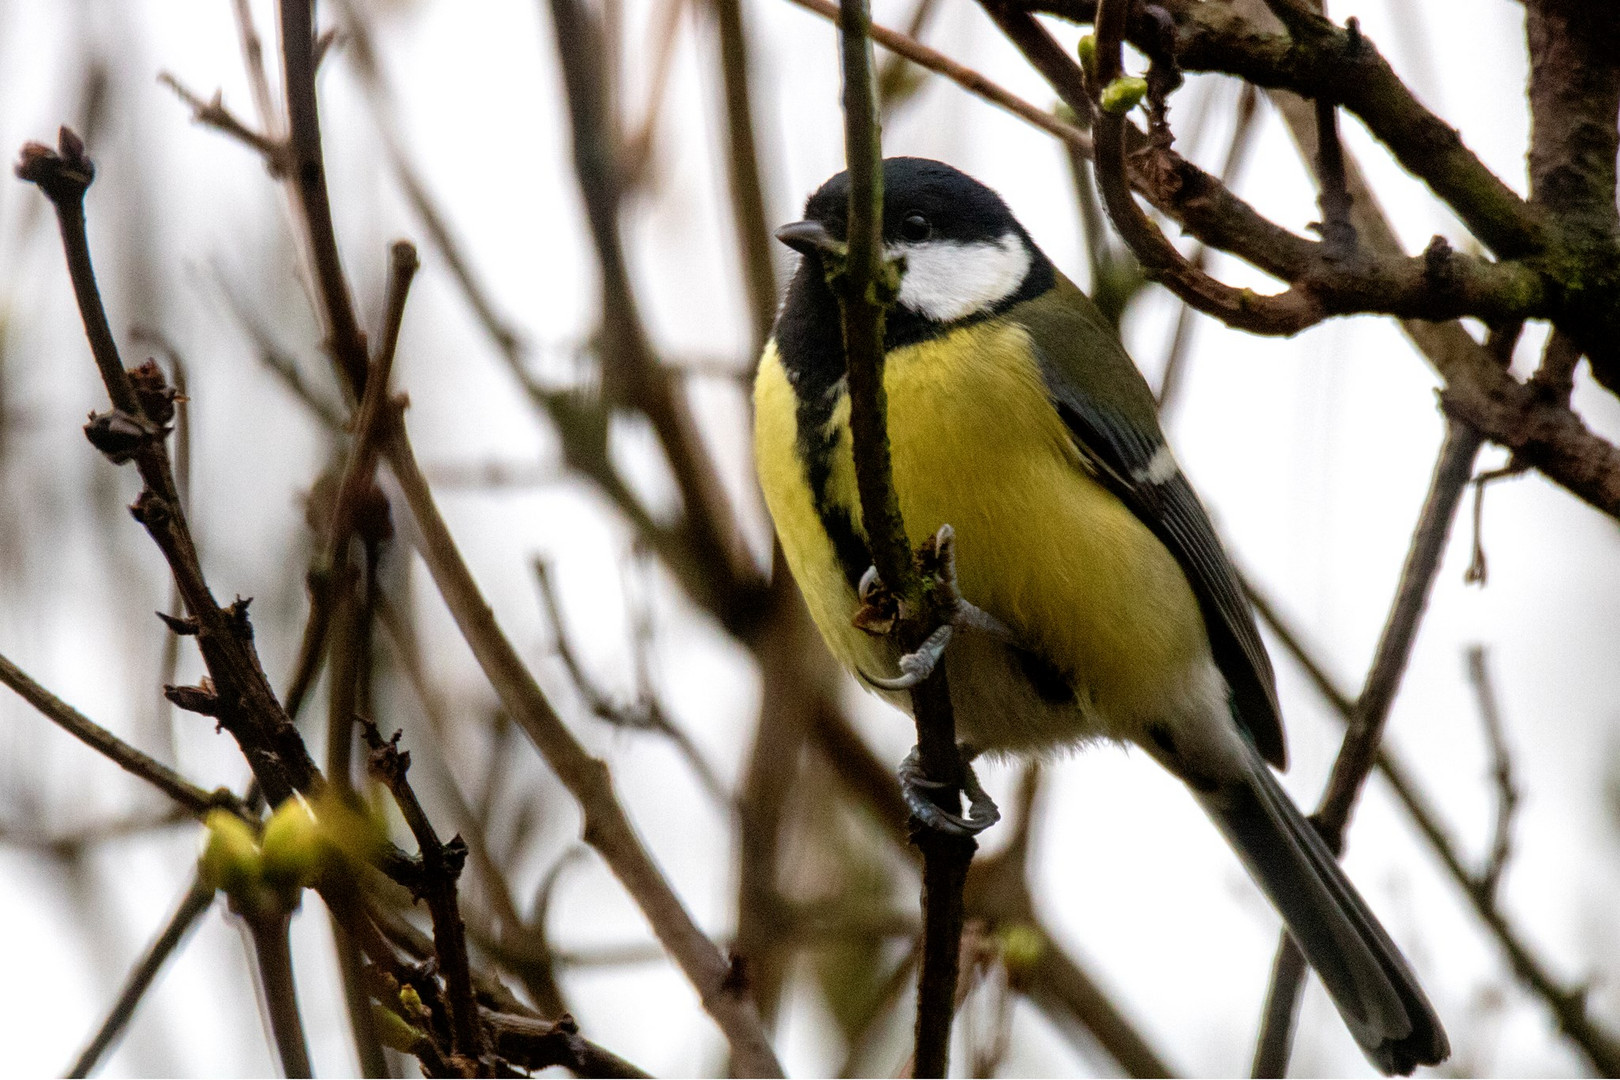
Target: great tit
[{"x": 1016, "y": 417}]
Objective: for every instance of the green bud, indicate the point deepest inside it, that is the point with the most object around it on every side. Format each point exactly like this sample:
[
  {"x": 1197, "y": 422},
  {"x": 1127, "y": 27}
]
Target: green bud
[
  {"x": 394, "y": 1032},
  {"x": 1123, "y": 94},
  {"x": 230, "y": 859},
  {"x": 1088, "y": 51},
  {"x": 350, "y": 832},
  {"x": 292, "y": 845},
  {"x": 1021, "y": 947},
  {"x": 411, "y": 1001}
]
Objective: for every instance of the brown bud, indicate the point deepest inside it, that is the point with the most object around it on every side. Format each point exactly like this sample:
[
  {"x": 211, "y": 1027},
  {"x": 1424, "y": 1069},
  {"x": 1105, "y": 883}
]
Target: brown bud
[
  {"x": 156, "y": 396},
  {"x": 62, "y": 174},
  {"x": 198, "y": 699},
  {"x": 121, "y": 436},
  {"x": 183, "y": 627}
]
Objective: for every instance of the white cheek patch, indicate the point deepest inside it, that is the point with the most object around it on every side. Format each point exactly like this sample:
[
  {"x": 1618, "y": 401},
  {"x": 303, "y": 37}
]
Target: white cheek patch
[{"x": 947, "y": 280}]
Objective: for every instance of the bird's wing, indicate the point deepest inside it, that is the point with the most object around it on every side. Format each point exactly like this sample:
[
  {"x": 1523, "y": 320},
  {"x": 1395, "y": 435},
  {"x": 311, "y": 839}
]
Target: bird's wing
[{"x": 1125, "y": 447}]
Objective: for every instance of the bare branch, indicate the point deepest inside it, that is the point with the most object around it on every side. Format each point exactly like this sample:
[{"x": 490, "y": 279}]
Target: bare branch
[
  {"x": 196, "y": 901},
  {"x": 213, "y": 113},
  {"x": 965, "y": 77},
  {"x": 1507, "y": 792},
  {"x": 646, "y": 714},
  {"x": 607, "y": 829},
  {"x": 440, "y": 868},
  {"x": 273, "y": 950},
  {"x": 539, "y": 1044},
  {"x": 1567, "y": 1003},
  {"x": 344, "y": 337},
  {"x": 1364, "y": 729},
  {"x": 188, "y": 795},
  {"x": 742, "y": 162}
]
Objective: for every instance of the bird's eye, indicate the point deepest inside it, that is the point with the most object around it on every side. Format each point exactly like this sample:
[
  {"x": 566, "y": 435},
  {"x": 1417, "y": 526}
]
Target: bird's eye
[{"x": 915, "y": 228}]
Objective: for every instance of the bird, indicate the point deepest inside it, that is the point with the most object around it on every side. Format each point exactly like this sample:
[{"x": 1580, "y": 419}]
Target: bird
[{"x": 1022, "y": 434}]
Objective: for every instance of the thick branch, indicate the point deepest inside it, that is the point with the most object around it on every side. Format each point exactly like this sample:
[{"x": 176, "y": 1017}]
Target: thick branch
[
  {"x": 1343, "y": 66},
  {"x": 1574, "y": 50},
  {"x": 539, "y": 1044},
  {"x": 1439, "y": 284}
]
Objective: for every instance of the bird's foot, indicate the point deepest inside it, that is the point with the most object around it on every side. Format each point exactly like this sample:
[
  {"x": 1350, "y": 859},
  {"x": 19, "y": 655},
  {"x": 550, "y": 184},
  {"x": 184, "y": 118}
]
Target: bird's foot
[
  {"x": 916, "y": 786},
  {"x": 878, "y": 610}
]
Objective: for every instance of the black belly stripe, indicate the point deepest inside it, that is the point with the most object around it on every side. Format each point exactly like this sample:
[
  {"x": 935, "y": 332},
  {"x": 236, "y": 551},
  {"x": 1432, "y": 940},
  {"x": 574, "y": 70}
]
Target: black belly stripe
[
  {"x": 818, "y": 444},
  {"x": 1049, "y": 684}
]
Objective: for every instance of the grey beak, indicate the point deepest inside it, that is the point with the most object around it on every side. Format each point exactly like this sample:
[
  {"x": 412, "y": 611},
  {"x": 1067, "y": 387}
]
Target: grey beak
[{"x": 810, "y": 238}]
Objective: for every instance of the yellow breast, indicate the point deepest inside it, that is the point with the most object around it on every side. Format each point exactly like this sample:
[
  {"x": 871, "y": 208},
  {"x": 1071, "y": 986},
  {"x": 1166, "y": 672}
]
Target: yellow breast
[{"x": 1041, "y": 545}]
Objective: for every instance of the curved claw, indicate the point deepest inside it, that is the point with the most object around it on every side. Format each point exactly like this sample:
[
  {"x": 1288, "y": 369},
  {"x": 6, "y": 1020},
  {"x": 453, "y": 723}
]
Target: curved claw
[
  {"x": 869, "y": 581},
  {"x": 915, "y": 667},
  {"x": 982, "y": 810}
]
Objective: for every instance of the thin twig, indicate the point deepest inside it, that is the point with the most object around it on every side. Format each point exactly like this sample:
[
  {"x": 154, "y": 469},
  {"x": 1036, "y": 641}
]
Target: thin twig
[
  {"x": 1507, "y": 792},
  {"x": 1243, "y": 127},
  {"x": 1566, "y": 1003},
  {"x": 368, "y": 1047},
  {"x": 440, "y": 868},
  {"x": 632, "y": 375},
  {"x": 253, "y": 64},
  {"x": 278, "y": 360},
  {"x": 743, "y": 166},
  {"x": 1242, "y": 308},
  {"x": 196, "y": 801},
  {"x": 646, "y": 714},
  {"x": 607, "y": 828},
  {"x": 213, "y": 113},
  {"x": 308, "y": 177},
  {"x": 865, "y": 287},
  {"x": 536, "y": 972},
  {"x": 239, "y": 695},
  {"x": 356, "y": 508},
  {"x": 196, "y": 900},
  {"x": 962, "y": 75},
  {"x": 1364, "y": 731},
  {"x": 897, "y": 81}
]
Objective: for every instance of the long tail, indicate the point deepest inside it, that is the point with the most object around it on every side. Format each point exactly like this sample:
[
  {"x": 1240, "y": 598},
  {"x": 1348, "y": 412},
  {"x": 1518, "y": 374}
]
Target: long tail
[{"x": 1363, "y": 970}]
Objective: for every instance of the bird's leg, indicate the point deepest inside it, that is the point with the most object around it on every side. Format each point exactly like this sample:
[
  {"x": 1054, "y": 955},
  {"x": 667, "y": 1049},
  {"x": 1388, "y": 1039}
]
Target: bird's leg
[
  {"x": 915, "y": 787},
  {"x": 880, "y": 611},
  {"x": 918, "y": 664}
]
